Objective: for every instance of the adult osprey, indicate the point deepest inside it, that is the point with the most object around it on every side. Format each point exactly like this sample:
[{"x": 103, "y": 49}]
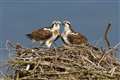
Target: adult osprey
[
  {"x": 69, "y": 36},
  {"x": 46, "y": 35}
]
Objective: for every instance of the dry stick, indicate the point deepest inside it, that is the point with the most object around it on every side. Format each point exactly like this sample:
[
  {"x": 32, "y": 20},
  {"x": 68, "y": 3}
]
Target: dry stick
[
  {"x": 103, "y": 55},
  {"x": 110, "y": 50},
  {"x": 89, "y": 60},
  {"x": 97, "y": 42},
  {"x": 112, "y": 71},
  {"x": 85, "y": 58},
  {"x": 107, "y": 43},
  {"x": 101, "y": 59},
  {"x": 36, "y": 65},
  {"x": 6, "y": 45},
  {"x": 22, "y": 55},
  {"x": 92, "y": 53},
  {"x": 89, "y": 71},
  {"x": 11, "y": 45},
  {"x": 114, "y": 48},
  {"x": 17, "y": 78},
  {"x": 72, "y": 77}
]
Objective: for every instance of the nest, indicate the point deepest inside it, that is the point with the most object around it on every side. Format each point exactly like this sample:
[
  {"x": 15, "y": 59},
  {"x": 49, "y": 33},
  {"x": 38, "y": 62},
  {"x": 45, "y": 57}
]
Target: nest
[{"x": 65, "y": 63}]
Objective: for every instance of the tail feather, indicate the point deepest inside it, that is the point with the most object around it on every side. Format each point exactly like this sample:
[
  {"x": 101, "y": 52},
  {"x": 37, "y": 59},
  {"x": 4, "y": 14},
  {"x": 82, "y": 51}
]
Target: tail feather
[{"x": 29, "y": 36}]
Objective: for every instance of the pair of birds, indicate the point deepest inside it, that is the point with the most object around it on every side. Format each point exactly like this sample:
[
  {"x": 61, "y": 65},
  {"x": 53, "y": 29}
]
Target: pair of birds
[{"x": 48, "y": 35}]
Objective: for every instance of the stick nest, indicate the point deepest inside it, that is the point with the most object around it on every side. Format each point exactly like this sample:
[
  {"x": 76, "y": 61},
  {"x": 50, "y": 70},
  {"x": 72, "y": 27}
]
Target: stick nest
[{"x": 65, "y": 63}]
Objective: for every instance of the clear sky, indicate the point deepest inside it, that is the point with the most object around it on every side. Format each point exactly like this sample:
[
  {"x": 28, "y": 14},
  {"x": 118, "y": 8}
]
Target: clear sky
[{"x": 90, "y": 17}]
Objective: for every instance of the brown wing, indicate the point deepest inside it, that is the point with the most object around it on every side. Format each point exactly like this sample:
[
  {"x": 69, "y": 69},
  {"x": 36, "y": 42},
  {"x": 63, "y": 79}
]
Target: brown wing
[
  {"x": 76, "y": 38},
  {"x": 41, "y": 34}
]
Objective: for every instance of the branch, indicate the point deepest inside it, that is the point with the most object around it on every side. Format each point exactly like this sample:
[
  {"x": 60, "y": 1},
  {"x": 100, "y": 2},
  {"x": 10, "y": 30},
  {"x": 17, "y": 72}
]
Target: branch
[{"x": 107, "y": 43}]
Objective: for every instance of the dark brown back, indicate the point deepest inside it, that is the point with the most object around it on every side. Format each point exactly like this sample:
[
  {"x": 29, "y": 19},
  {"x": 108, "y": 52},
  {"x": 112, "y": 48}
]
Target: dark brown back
[
  {"x": 41, "y": 34},
  {"x": 77, "y": 39}
]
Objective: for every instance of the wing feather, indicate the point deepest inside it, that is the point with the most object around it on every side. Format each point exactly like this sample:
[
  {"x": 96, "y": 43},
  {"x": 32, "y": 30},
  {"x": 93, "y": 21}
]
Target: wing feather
[
  {"x": 77, "y": 38},
  {"x": 41, "y": 34}
]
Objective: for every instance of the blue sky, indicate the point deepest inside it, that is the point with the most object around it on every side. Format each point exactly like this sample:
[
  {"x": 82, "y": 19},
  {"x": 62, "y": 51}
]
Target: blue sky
[{"x": 90, "y": 17}]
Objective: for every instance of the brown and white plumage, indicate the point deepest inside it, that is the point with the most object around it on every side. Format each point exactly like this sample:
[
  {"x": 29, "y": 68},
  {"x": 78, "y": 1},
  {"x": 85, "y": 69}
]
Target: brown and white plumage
[
  {"x": 76, "y": 38},
  {"x": 46, "y": 35},
  {"x": 69, "y": 36},
  {"x": 40, "y": 34}
]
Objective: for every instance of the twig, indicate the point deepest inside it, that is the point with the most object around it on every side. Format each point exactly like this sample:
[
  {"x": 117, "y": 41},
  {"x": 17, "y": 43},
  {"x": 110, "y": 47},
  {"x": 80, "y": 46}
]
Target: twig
[
  {"x": 107, "y": 43},
  {"x": 112, "y": 49},
  {"x": 89, "y": 60},
  {"x": 97, "y": 42},
  {"x": 101, "y": 59},
  {"x": 72, "y": 77},
  {"x": 36, "y": 65},
  {"x": 112, "y": 71},
  {"x": 107, "y": 52},
  {"x": 91, "y": 52}
]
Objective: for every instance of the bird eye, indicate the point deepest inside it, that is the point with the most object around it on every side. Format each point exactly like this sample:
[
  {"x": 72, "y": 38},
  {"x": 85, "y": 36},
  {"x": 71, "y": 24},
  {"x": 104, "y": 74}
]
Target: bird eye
[{"x": 68, "y": 23}]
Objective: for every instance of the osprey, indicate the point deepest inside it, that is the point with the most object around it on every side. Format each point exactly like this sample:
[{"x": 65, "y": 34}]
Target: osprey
[
  {"x": 69, "y": 36},
  {"x": 47, "y": 35}
]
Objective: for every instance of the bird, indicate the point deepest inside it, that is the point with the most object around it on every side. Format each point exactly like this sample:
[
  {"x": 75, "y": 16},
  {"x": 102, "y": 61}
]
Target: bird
[
  {"x": 71, "y": 37},
  {"x": 47, "y": 35}
]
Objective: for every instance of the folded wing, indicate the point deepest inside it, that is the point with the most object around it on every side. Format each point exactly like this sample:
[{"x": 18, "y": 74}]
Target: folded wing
[
  {"x": 77, "y": 38},
  {"x": 40, "y": 34}
]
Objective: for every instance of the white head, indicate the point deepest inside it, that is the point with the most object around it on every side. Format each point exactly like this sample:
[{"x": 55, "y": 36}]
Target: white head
[
  {"x": 67, "y": 26},
  {"x": 56, "y": 25},
  {"x": 55, "y": 31}
]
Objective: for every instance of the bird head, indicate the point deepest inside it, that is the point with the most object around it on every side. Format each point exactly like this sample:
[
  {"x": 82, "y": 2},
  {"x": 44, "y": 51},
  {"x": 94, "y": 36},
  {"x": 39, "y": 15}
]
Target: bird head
[
  {"x": 56, "y": 25},
  {"x": 67, "y": 26},
  {"x": 66, "y": 22}
]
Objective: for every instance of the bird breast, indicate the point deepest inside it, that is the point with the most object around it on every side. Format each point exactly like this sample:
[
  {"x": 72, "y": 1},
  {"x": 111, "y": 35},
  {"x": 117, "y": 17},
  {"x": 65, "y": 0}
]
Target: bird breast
[
  {"x": 56, "y": 33},
  {"x": 64, "y": 36}
]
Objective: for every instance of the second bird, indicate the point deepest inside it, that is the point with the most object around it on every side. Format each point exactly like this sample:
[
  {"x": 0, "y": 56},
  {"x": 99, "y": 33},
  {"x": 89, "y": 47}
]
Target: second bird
[{"x": 69, "y": 36}]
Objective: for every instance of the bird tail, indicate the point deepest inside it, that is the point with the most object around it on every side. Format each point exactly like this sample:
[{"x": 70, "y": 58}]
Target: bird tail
[{"x": 29, "y": 36}]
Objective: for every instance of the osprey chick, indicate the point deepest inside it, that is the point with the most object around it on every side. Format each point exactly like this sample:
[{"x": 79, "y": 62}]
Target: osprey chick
[{"x": 46, "y": 35}]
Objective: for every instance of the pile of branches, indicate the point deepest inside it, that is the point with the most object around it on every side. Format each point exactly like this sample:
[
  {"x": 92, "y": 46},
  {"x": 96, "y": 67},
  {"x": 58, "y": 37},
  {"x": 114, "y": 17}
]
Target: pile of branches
[
  {"x": 84, "y": 62},
  {"x": 65, "y": 63}
]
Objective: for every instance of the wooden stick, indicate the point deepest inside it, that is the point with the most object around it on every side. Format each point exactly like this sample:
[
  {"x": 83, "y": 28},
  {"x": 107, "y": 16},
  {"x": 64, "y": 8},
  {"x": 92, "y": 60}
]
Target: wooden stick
[{"x": 107, "y": 43}]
